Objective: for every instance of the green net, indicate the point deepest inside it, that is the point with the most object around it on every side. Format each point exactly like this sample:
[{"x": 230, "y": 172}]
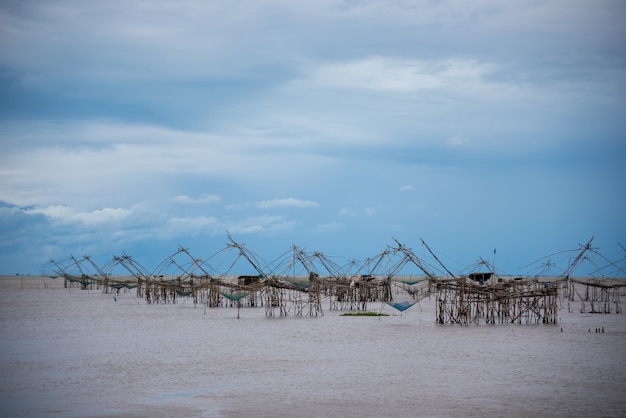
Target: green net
[{"x": 234, "y": 296}]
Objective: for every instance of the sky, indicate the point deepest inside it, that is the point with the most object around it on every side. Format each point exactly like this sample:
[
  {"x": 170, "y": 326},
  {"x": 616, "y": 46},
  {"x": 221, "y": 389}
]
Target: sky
[{"x": 491, "y": 130}]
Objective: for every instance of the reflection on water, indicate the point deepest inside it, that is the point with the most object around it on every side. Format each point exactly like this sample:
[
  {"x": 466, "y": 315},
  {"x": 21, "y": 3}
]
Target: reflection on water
[{"x": 77, "y": 353}]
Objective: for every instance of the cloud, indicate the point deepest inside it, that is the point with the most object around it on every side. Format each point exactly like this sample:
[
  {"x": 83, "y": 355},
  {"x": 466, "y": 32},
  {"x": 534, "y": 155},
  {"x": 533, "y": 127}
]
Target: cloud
[
  {"x": 353, "y": 213},
  {"x": 193, "y": 226},
  {"x": 204, "y": 198},
  {"x": 457, "y": 140},
  {"x": 345, "y": 212},
  {"x": 122, "y": 163},
  {"x": 407, "y": 188},
  {"x": 123, "y": 46},
  {"x": 330, "y": 228},
  {"x": 66, "y": 215},
  {"x": 389, "y": 74},
  {"x": 286, "y": 203},
  {"x": 237, "y": 206},
  {"x": 263, "y": 225}
]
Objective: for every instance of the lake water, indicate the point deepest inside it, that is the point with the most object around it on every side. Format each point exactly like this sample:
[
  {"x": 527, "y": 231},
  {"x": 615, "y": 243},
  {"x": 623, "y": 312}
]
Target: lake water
[{"x": 79, "y": 353}]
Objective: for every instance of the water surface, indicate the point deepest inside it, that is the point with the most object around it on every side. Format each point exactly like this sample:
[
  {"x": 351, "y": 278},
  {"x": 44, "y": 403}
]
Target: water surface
[{"x": 78, "y": 353}]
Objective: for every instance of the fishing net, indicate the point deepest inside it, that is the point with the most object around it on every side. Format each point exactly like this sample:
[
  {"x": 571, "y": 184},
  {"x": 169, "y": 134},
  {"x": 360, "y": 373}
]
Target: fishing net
[
  {"x": 235, "y": 296},
  {"x": 402, "y": 306},
  {"x": 404, "y": 296}
]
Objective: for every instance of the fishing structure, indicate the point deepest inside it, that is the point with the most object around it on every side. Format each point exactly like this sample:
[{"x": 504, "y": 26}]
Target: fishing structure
[
  {"x": 475, "y": 298},
  {"x": 596, "y": 295},
  {"x": 301, "y": 283}
]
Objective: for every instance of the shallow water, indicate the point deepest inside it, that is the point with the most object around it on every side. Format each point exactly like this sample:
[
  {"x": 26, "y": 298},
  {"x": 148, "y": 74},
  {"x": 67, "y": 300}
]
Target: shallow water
[{"x": 78, "y": 353}]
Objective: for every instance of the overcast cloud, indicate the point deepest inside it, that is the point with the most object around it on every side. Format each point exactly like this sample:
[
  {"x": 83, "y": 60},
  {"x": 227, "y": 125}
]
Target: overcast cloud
[{"x": 333, "y": 125}]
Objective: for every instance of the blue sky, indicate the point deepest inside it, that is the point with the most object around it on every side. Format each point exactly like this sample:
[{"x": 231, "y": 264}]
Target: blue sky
[{"x": 332, "y": 125}]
